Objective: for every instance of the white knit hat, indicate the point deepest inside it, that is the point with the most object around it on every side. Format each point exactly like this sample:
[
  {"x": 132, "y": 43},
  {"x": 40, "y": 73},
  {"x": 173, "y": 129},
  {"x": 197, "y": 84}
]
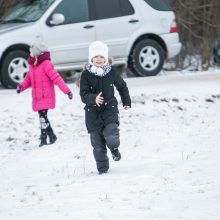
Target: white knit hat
[
  {"x": 37, "y": 48},
  {"x": 98, "y": 48}
]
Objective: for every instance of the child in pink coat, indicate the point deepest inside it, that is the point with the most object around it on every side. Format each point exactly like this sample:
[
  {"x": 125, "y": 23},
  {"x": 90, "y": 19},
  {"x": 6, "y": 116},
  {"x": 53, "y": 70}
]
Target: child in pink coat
[{"x": 41, "y": 77}]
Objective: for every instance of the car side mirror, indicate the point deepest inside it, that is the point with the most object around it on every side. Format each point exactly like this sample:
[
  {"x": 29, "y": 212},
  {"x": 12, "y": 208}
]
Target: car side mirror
[{"x": 57, "y": 19}]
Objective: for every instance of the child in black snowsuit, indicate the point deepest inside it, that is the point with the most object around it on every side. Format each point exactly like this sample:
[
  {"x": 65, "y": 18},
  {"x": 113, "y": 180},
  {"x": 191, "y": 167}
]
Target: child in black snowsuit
[{"x": 101, "y": 109}]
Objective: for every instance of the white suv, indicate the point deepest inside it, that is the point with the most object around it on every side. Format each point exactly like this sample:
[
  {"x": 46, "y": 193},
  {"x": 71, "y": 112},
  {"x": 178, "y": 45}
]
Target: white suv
[{"x": 140, "y": 33}]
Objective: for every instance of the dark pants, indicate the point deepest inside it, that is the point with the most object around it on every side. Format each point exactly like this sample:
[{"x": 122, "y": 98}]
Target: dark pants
[
  {"x": 44, "y": 122},
  {"x": 109, "y": 137}
]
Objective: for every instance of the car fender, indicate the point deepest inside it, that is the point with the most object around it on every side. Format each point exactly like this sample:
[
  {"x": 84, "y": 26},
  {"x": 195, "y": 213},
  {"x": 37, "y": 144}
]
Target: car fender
[
  {"x": 24, "y": 36},
  {"x": 143, "y": 31}
]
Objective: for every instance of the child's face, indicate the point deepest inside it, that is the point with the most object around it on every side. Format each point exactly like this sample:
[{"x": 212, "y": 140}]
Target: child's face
[{"x": 98, "y": 61}]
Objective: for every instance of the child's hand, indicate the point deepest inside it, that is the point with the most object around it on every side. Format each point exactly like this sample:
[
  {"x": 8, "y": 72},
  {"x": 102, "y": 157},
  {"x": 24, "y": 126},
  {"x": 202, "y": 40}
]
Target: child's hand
[
  {"x": 126, "y": 107},
  {"x": 99, "y": 99},
  {"x": 70, "y": 95},
  {"x": 19, "y": 88}
]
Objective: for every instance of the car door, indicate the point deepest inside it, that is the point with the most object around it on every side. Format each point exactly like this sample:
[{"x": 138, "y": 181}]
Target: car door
[
  {"x": 116, "y": 20},
  {"x": 69, "y": 41}
]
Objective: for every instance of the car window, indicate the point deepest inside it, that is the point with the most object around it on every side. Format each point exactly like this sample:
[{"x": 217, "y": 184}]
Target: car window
[
  {"x": 112, "y": 8},
  {"x": 160, "y": 5},
  {"x": 26, "y": 11},
  {"x": 126, "y": 7},
  {"x": 74, "y": 11}
]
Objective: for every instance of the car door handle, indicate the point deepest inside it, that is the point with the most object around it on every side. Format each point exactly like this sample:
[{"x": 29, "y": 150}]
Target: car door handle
[
  {"x": 133, "y": 21},
  {"x": 88, "y": 26}
]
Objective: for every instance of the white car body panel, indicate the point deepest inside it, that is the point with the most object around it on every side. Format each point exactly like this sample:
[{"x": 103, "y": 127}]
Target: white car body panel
[{"x": 69, "y": 43}]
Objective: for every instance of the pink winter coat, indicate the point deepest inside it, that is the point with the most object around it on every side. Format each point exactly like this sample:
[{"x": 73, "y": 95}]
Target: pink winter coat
[{"x": 42, "y": 78}]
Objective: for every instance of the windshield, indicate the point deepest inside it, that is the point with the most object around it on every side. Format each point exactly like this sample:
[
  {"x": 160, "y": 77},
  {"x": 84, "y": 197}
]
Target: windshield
[{"x": 26, "y": 11}]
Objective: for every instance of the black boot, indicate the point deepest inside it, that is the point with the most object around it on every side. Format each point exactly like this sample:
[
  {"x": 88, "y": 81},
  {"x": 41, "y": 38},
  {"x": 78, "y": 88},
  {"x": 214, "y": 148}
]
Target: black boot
[
  {"x": 52, "y": 136},
  {"x": 116, "y": 154},
  {"x": 43, "y": 140},
  {"x": 102, "y": 172}
]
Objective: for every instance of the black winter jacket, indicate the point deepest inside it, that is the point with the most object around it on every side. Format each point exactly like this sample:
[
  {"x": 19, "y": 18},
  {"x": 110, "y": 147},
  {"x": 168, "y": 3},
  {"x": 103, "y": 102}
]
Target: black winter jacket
[{"x": 90, "y": 86}]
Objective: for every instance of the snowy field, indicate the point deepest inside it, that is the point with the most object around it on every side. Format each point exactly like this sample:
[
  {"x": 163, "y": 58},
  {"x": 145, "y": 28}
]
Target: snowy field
[{"x": 170, "y": 145}]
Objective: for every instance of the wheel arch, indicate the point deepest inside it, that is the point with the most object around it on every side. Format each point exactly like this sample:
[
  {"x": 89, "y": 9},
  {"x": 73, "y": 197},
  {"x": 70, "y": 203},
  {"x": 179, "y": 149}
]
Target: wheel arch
[
  {"x": 14, "y": 47},
  {"x": 152, "y": 37}
]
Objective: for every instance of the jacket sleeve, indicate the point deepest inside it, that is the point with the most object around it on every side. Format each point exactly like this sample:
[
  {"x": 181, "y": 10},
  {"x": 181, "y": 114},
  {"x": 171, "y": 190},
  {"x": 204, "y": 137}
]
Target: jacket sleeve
[
  {"x": 56, "y": 78},
  {"x": 86, "y": 96},
  {"x": 26, "y": 82},
  {"x": 122, "y": 88}
]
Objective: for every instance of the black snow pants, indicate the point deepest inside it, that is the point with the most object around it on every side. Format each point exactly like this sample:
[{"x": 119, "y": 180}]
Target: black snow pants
[
  {"x": 108, "y": 137},
  {"x": 44, "y": 122}
]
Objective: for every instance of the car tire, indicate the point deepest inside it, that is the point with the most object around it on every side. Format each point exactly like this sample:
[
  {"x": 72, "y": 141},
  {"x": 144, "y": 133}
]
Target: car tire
[
  {"x": 147, "y": 58},
  {"x": 14, "y": 67}
]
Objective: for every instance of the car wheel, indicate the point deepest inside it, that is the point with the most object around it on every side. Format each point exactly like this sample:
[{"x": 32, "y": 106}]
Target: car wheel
[
  {"x": 14, "y": 67},
  {"x": 147, "y": 58}
]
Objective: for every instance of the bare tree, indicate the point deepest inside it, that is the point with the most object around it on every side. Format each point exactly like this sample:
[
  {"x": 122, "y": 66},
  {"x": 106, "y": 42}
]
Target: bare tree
[{"x": 198, "y": 25}]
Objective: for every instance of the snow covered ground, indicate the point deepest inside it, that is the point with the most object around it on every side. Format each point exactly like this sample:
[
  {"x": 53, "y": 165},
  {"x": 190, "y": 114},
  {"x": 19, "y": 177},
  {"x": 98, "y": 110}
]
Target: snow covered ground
[{"x": 170, "y": 145}]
